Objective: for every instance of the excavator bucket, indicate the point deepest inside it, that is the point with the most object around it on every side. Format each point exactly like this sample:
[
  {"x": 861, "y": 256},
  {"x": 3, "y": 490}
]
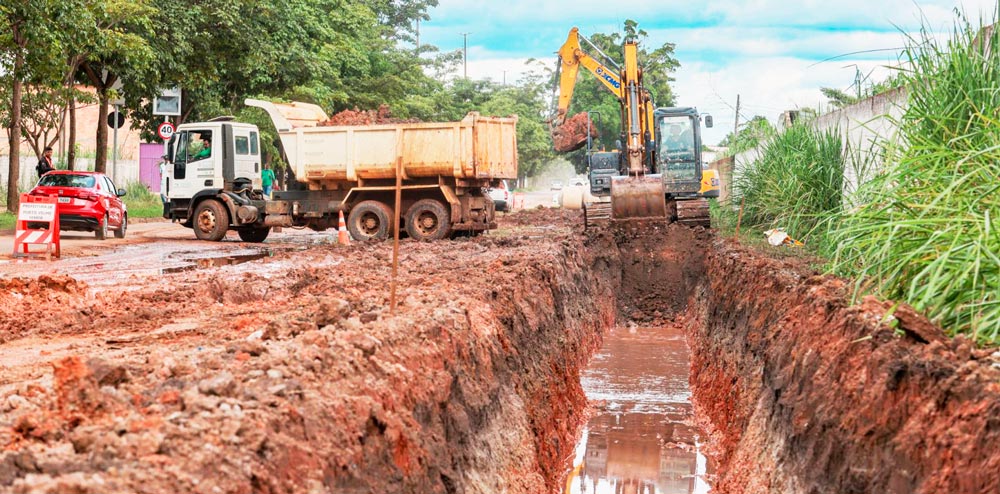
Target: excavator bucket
[
  {"x": 638, "y": 197},
  {"x": 572, "y": 134}
]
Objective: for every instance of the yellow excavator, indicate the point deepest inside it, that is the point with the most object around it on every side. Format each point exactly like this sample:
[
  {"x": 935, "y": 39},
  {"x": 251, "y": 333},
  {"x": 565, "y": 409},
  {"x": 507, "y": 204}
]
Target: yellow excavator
[{"x": 657, "y": 171}]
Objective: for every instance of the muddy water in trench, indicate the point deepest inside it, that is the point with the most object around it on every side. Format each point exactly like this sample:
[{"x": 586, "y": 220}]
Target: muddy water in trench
[{"x": 641, "y": 438}]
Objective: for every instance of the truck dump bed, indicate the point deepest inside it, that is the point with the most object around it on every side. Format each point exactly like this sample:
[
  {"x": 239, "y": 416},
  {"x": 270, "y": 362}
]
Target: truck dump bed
[{"x": 476, "y": 147}]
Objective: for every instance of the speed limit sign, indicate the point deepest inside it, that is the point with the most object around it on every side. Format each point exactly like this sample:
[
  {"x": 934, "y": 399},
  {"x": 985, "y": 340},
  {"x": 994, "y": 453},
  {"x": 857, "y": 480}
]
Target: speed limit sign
[{"x": 165, "y": 130}]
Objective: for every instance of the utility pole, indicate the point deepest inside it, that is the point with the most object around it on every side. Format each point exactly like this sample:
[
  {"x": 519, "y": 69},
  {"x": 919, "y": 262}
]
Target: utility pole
[
  {"x": 736, "y": 125},
  {"x": 465, "y": 53},
  {"x": 505, "y": 78},
  {"x": 418, "y": 35}
]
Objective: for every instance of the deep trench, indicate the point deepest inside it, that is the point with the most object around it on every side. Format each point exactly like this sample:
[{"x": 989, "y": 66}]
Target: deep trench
[{"x": 802, "y": 390}]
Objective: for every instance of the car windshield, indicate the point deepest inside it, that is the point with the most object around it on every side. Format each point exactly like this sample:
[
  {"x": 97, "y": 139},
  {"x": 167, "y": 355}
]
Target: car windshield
[{"x": 67, "y": 180}]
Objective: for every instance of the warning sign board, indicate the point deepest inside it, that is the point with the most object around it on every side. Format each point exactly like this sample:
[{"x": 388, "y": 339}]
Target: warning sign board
[{"x": 37, "y": 224}]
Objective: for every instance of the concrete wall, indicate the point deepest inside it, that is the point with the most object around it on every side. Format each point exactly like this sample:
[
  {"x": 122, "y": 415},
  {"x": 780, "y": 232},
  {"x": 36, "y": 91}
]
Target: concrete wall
[
  {"x": 126, "y": 172},
  {"x": 863, "y": 127}
]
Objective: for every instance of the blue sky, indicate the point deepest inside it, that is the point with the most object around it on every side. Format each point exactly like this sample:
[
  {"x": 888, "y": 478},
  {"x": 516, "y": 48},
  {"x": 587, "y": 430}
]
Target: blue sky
[{"x": 769, "y": 52}]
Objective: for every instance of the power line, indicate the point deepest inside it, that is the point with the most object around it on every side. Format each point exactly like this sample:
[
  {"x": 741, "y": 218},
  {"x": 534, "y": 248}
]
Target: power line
[{"x": 856, "y": 53}]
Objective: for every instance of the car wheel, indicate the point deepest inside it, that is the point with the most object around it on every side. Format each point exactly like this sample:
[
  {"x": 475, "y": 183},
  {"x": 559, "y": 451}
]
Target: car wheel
[
  {"x": 370, "y": 220},
  {"x": 102, "y": 228},
  {"x": 120, "y": 233},
  {"x": 254, "y": 235},
  {"x": 211, "y": 220},
  {"x": 428, "y": 219}
]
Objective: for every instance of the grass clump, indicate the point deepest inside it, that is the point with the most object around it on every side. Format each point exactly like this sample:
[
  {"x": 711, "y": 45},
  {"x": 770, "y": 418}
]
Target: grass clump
[
  {"x": 927, "y": 230},
  {"x": 795, "y": 184},
  {"x": 142, "y": 202}
]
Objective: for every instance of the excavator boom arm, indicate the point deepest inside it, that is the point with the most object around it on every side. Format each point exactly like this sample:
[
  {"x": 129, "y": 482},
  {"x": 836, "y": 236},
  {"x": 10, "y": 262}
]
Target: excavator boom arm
[{"x": 571, "y": 58}]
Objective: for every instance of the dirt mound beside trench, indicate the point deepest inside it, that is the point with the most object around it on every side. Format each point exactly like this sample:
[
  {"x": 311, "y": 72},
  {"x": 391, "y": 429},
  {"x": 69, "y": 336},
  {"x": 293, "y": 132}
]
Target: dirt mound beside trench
[
  {"x": 810, "y": 394},
  {"x": 290, "y": 375}
]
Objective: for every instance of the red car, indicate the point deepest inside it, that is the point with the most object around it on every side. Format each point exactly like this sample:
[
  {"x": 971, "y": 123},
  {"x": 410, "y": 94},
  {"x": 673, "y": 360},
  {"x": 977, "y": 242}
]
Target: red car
[{"x": 88, "y": 201}]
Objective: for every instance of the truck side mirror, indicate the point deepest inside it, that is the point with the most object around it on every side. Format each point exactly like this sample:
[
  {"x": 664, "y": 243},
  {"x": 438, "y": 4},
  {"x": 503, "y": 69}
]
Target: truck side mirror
[
  {"x": 708, "y": 121},
  {"x": 170, "y": 149}
]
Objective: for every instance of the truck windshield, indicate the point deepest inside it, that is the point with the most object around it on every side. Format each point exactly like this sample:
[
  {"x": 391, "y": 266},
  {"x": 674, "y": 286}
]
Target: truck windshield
[{"x": 676, "y": 150}]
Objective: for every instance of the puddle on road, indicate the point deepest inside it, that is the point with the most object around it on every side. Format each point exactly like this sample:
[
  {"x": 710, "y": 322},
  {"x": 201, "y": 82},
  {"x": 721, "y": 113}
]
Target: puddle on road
[
  {"x": 642, "y": 437},
  {"x": 209, "y": 259}
]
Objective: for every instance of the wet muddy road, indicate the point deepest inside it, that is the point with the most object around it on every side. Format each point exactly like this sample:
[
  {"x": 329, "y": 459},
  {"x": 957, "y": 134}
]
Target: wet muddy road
[{"x": 642, "y": 436}]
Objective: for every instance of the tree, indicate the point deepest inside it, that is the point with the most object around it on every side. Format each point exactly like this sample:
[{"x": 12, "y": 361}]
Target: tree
[
  {"x": 113, "y": 48},
  {"x": 838, "y": 98},
  {"x": 29, "y": 37},
  {"x": 44, "y": 111},
  {"x": 754, "y": 133}
]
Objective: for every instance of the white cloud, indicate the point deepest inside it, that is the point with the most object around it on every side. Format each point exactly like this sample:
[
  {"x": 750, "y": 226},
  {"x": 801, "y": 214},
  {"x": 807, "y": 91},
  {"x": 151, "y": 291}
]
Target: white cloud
[{"x": 772, "y": 53}]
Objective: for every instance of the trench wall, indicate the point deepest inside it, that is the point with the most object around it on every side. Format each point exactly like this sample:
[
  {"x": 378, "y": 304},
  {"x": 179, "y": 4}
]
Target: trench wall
[{"x": 808, "y": 393}]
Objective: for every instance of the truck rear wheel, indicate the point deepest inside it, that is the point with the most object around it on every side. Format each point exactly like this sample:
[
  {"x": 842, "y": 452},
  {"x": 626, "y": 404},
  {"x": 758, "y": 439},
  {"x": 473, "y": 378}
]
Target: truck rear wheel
[
  {"x": 211, "y": 220},
  {"x": 370, "y": 220},
  {"x": 428, "y": 219}
]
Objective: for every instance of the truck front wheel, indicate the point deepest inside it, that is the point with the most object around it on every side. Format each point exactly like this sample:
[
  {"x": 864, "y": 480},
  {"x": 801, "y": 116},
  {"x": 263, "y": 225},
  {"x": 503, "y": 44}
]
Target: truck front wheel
[
  {"x": 211, "y": 220},
  {"x": 428, "y": 219},
  {"x": 370, "y": 220}
]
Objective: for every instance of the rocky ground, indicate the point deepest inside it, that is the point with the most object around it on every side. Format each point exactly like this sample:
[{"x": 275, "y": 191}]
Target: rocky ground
[{"x": 290, "y": 373}]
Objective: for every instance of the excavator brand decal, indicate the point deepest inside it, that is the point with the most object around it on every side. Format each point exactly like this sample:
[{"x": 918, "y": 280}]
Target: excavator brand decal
[{"x": 608, "y": 77}]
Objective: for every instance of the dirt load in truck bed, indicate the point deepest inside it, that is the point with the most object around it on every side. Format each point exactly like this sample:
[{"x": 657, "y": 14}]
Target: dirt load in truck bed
[{"x": 383, "y": 115}]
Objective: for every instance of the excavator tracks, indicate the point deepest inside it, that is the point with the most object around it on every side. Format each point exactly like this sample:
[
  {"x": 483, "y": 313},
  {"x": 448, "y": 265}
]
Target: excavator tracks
[
  {"x": 693, "y": 212},
  {"x": 690, "y": 212},
  {"x": 596, "y": 214}
]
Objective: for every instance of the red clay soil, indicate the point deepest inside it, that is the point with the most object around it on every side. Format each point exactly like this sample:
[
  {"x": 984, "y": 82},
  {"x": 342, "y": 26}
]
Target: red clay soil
[
  {"x": 366, "y": 117},
  {"x": 808, "y": 393},
  {"x": 572, "y": 134},
  {"x": 291, "y": 376}
]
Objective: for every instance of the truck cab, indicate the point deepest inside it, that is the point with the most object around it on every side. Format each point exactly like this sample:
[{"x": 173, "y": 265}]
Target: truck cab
[{"x": 218, "y": 160}]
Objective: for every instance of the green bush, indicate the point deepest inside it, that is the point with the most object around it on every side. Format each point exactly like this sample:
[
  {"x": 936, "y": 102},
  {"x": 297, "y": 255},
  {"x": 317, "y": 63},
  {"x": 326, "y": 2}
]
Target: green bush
[
  {"x": 795, "y": 184},
  {"x": 141, "y": 202}
]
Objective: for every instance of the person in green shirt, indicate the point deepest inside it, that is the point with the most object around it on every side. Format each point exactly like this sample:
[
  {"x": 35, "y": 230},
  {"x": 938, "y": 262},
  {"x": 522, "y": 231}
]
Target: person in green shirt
[
  {"x": 267, "y": 179},
  {"x": 206, "y": 150}
]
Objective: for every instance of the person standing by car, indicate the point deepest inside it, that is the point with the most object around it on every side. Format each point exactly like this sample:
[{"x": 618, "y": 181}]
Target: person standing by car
[
  {"x": 45, "y": 164},
  {"x": 267, "y": 180}
]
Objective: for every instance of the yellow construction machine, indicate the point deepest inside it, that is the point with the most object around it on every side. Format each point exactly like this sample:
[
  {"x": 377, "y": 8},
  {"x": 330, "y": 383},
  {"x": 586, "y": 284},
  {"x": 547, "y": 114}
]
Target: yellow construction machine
[{"x": 657, "y": 171}]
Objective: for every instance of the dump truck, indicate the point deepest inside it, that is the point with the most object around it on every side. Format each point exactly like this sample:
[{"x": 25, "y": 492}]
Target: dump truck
[{"x": 213, "y": 178}]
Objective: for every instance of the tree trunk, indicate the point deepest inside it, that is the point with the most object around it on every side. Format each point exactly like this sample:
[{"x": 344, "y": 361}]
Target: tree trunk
[
  {"x": 13, "y": 194},
  {"x": 71, "y": 152},
  {"x": 101, "y": 158}
]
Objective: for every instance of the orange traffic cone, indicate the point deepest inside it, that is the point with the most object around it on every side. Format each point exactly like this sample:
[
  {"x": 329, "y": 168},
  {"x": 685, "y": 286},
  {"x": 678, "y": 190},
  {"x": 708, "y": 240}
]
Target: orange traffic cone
[{"x": 343, "y": 238}]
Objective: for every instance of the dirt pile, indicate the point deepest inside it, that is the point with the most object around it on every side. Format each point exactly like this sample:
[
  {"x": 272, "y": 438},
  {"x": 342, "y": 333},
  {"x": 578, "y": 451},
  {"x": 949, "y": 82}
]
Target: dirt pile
[
  {"x": 572, "y": 134},
  {"x": 291, "y": 376},
  {"x": 383, "y": 115},
  {"x": 811, "y": 394}
]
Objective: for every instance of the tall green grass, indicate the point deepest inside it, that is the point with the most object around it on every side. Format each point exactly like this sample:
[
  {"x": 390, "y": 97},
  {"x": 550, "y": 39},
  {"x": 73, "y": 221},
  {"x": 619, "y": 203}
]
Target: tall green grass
[
  {"x": 795, "y": 184},
  {"x": 928, "y": 228},
  {"x": 141, "y": 202}
]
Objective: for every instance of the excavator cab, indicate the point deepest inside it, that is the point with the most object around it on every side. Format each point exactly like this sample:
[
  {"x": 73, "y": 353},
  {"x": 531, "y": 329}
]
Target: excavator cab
[{"x": 678, "y": 150}]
